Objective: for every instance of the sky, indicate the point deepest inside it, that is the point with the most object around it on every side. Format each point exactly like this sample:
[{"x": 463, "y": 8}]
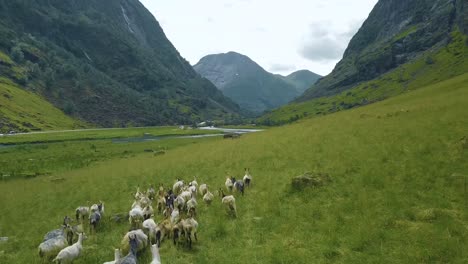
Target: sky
[{"x": 281, "y": 36}]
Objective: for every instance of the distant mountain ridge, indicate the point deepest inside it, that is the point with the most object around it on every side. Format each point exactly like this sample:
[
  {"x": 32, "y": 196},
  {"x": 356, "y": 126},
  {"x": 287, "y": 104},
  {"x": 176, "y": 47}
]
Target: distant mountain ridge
[
  {"x": 107, "y": 62},
  {"x": 302, "y": 79},
  {"x": 248, "y": 84}
]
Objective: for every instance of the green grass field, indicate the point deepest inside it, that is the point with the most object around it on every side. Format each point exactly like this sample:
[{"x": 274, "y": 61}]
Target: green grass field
[
  {"x": 96, "y": 134},
  {"x": 45, "y": 153},
  {"x": 394, "y": 195}
]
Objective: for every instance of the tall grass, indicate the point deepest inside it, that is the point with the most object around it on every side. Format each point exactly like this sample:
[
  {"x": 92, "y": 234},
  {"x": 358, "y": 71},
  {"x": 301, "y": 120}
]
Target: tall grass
[{"x": 392, "y": 198}]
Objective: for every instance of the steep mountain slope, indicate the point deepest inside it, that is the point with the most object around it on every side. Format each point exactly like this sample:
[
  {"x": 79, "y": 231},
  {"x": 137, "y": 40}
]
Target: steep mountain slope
[
  {"x": 398, "y": 48},
  {"x": 105, "y": 61},
  {"x": 21, "y": 110},
  {"x": 395, "y": 32},
  {"x": 302, "y": 79},
  {"x": 246, "y": 82}
]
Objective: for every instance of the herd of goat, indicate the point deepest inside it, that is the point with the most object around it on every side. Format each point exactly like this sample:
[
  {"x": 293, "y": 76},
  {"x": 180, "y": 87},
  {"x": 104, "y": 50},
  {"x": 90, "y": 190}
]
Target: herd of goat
[{"x": 178, "y": 205}]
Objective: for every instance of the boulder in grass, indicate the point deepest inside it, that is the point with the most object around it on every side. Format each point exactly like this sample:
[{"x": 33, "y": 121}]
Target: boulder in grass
[{"x": 310, "y": 180}]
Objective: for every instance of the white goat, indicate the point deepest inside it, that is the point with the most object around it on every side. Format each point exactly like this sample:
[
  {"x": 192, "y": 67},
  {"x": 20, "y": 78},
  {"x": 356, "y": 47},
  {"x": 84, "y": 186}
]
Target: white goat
[
  {"x": 191, "y": 204},
  {"x": 81, "y": 211},
  {"x": 153, "y": 231},
  {"x": 193, "y": 189},
  {"x": 187, "y": 195},
  {"x": 208, "y": 197},
  {"x": 203, "y": 189},
  {"x": 230, "y": 202},
  {"x": 54, "y": 241},
  {"x": 165, "y": 226},
  {"x": 141, "y": 239},
  {"x": 247, "y": 177},
  {"x": 190, "y": 227},
  {"x": 177, "y": 186},
  {"x": 72, "y": 252},
  {"x": 138, "y": 194},
  {"x": 229, "y": 184},
  {"x": 97, "y": 208},
  {"x": 116, "y": 257},
  {"x": 135, "y": 216},
  {"x": 144, "y": 201},
  {"x": 194, "y": 182},
  {"x": 151, "y": 192},
  {"x": 161, "y": 204},
  {"x": 148, "y": 212},
  {"x": 175, "y": 216},
  {"x": 155, "y": 253},
  {"x": 179, "y": 202}
]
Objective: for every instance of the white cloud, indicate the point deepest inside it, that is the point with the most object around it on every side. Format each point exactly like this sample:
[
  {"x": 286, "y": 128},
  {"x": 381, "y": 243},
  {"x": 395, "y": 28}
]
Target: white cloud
[
  {"x": 323, "y": 43},
  {"x": 270, "y": 32},
  {"x": 282, "y": 68}
]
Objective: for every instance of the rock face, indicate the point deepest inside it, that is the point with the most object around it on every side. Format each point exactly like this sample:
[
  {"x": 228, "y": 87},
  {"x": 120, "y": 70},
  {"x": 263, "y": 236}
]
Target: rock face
[
  {"x": 105, "y": 61},
  {"x": 247, "y": 83},
  {"x": 395, "y": 32}
]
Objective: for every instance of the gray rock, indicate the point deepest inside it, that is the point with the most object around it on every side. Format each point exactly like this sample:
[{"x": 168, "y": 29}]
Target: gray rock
[{"x": 310, "y": 180}]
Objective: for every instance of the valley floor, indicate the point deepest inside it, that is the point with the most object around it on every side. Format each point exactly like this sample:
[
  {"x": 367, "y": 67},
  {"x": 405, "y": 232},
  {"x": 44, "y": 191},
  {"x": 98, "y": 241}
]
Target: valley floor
[{"x": 396, "y": 195}]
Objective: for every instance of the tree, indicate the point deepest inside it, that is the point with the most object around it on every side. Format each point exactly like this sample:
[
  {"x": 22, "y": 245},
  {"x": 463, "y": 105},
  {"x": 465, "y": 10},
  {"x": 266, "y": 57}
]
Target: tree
[
  {"x": 69, "y": 108},
  {"x": 17, "y": 54}
]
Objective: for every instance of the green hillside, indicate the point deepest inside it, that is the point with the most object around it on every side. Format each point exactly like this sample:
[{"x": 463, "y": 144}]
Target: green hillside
[
  {"x": 104, "y": 61},
  {"x": 21, "y": 110},
  {"x": 302, "y": 79},
  {"x": 396, "y": 191},
  {"x": 432, "y": 67}
]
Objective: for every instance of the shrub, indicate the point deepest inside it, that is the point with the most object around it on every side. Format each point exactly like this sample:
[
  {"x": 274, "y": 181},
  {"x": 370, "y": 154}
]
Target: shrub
[{"x": 17, "y": 54}]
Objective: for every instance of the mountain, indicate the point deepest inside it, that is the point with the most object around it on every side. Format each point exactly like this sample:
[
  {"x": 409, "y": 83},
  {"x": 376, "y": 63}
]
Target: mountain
[
  {"x": 403, "y": 45},
  {"x": 107, "y": 62},
  {"x": 247, "y": 83},
  {"x": 302, "y": 79},
  {"x": 395, "y": 33}
]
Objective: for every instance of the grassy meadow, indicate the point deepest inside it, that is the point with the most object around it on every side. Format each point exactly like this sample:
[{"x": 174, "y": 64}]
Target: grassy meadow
[
  {"x": 97, "y": 134},
  {"x": 396, "y": 194}
]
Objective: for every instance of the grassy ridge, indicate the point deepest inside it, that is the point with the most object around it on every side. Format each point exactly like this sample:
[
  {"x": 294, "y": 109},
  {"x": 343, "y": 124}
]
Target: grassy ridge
[
  {"x": 392, "y": 196},
  {"x": 21, "y": 110},
  {"x": 432, "y": 67}
]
